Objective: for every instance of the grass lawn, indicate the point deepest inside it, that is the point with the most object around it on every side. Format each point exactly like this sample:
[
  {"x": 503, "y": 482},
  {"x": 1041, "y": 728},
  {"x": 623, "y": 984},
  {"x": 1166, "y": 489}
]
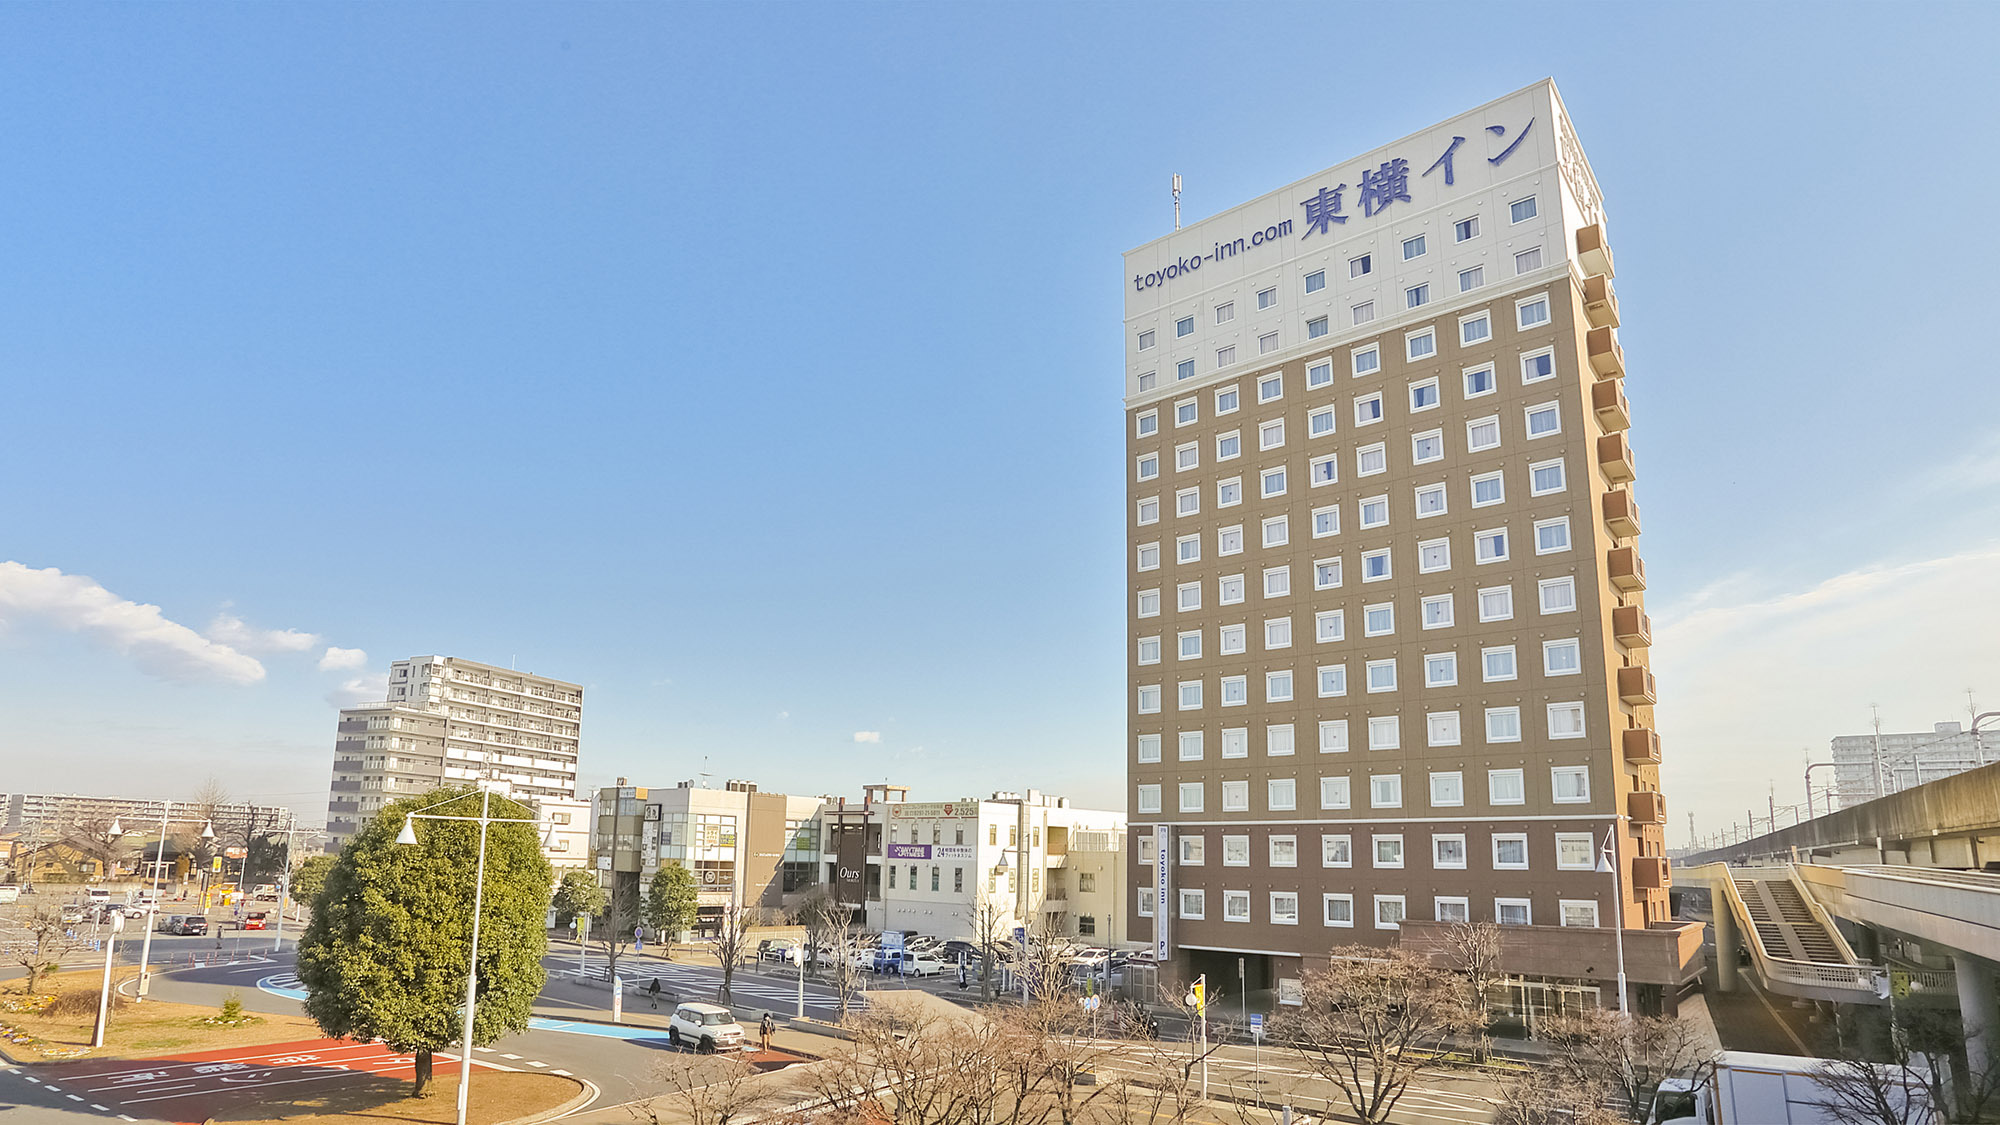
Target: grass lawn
[
  {"x": 145, "y": 1030},
  {"x": 496, "y": 1096}
]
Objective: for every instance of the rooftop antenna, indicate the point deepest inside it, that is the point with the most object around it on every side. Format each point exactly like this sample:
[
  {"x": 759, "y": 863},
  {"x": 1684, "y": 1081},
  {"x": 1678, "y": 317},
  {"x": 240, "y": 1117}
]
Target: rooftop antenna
[{"x": 1177, "y": 201}]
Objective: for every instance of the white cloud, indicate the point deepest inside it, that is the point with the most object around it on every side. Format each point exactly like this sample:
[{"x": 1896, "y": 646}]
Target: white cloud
[
  {"x": 783, "y": 715},
  {"x": 228, "y": 629},
  {"x": 868, "y": 736},
  {"x": 158, "y": 646},
  {"x": 1748, "y": 688},
  {"x": 337, "y": 659},
  {"x": 360, "y": 690}
]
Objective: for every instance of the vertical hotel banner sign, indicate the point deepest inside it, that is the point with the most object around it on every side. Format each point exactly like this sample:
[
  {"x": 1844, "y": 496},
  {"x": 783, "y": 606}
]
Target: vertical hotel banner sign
[{"x": 1160, "y": 898}]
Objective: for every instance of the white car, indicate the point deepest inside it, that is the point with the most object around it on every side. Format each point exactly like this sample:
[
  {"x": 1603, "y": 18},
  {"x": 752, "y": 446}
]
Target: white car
[
  {"x": 922, "y": 965},
  {"x": 705, "y": 1027}
]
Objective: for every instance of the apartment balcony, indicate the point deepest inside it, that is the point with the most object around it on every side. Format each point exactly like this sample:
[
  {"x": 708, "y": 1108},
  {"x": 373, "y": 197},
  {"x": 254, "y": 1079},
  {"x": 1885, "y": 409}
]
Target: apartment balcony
[
  {"x": 1635, "y": 685},
  {"x": 1650, "y": 872},
  {"x": 1593, "y": 253},
  {"x": 346, "y": 787},
  {"x": 1621, "y": 513},
  {"x": 1600, "y": 304},
  {"x": 1645, "y": 806},
  {"x": 1615, "y": 458},
  {"x": 1606, "y": 357},
  {"x": 1607, "y": 401},
  {"x": 1641, "y": 746},
  {"x": 1632, "y": 627},
  {"x": 1625, "y": 568}
]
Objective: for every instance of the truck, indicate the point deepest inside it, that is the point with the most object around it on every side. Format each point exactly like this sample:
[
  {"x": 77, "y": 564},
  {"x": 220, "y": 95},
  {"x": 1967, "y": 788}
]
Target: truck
[{"x": 1748, "y": 1088}]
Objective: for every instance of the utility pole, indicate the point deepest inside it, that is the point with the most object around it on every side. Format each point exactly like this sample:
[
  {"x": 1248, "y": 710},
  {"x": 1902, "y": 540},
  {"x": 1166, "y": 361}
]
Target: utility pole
[
  {"x": 1876, "y": 710},
  {"x": 1692, "y": 842}
]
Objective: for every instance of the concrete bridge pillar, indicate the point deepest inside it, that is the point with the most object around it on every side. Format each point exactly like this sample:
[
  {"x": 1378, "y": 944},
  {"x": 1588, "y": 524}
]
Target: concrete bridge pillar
[
  {"x": 1728, "y": 941},
  {"x": 1980, "y": 1013}
]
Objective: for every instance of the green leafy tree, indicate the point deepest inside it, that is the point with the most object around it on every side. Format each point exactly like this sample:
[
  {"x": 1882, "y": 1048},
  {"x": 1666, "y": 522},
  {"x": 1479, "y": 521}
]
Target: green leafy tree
[
  {"x": 310, "y": 878},
  {"x": 384, "y": 957},
  {"x": 578, "y": 893},
  {"x": 671, "y": 905}
]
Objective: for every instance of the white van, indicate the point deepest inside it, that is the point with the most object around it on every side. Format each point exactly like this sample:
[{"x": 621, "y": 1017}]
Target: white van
[
  {"x": 10, "y": 894},
  {"x": 97, "y": 894}
]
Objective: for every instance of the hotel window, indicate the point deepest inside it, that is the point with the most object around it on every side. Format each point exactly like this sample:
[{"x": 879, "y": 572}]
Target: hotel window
[
  {"x": 1271, "y": 435},
  {"x": 1267, "y": 343},
  {"x": 1482, "y": 433},
  {"x": 1497, "y": 663},
  {"x": 1187, "y": 457},
  {"x": 1225, "y": 401},
  {"x": 1149, "y": 510},
  {"x": 1448, "y": 851},
  {"x": 1232, "y": 639},
  {"x": 1149, "y": 603},
  {"x": 1521, "y": 210},
  {"x": 1320, "y": 372},
  {"x": 1191, "y": 801},
  {"x": 1235, "y": 796},
  {"x": 1147, "y": 380},
  {"x": 1512, "y": 911},
  {"x": 1267, "y": 298},
  {"x": 1184, "y": 370},
  {"x": 1362, "y": 266},
  {"x": 1280, "y": 795},
  {"x": 1441, "y": 669},
  {"x": 1277, "y": 530},
  {"x": 1187, "y": 549},
  {"x": 1442, "y": 727},
  {"x": 1333, "y": 793},
  {"x": 1417, "y": 296},
  {"x": 1277, "y": 581},
  {"x": 1510, "y": 851},
  {"x": 1420, "y": 345},
  {"x": 1149, "y": 798},
  {"x": 1475, "y": 329},
  {"x": 1562, "y": 658},
  {"x": 1576, "y": 851},
  {"x": 1236, "y": 851},
  {"x": 1378, "y": 620},
  {"x": 1427, "y": 447},
  {"x": 1371, "y": 459},
  {"x": 1278, "y": 741},
  {"x": 1284, "y": 908},
  {"x": 1228, "y": 446},
  {"x": 1367, "y": 409},
  {"x": 1430, "y": 501},
  {"x": 1225, "y": 312},
  {"x": 1479, "y": 381},
  {"x": 1385, "y": 791},
  {"x": 1277, "y": 687},
  {"x": 1187, "y": 502},
  {"x": 1319, "y": 423},
  {"x": 1326, "y": 573},
  {"x": 1332, "y": 680},
  {"x": 1447, "y": 790},
  {"x": 1452, "y": 909},
  {"x": 1330, "y": 625},
  {"x": 1375, "y": 565},
  {"x": 1381, "y": 675},
  {"x": 1579, "y": 912},
  {"x": 1190, "y": 643},
  {"x": 1149, "y": 556},
  {"x": 1552, "y": 536},
  {"x": 1146, "y": 340},
  {"x": 1367, "y": 361},
  {"x": 1190, "y": 695},
  {"x": 1278, "y": 633},
  {"x": 1273, "y": 482},
  {"x": 1536, "y": 366},
  {"x": 1149, "y": 650},
  {"x": 1149, "y": 466},
  {"x": 1149, "y": 747},
  {"x": 1504, "y": 787},
  {"x": 1225, "y": 356},
  {"x": 1194, "y": 904},
  {"x": 1337, "y": 910},
  {"x": 1315, "y": 281},
  {"x": 1270, "y": 388},
  {"x": 1235, "y": 691},
  {"x": 1149, "y": 423},
  {"x": 1316, "y": 327},
  {"x": 1388, "y": 850},
  {"x": 1558, "y": 594},
  {"x": 1488, "y": 489},
  {"x": 1544, "y": 420},
  {"x": 1424, "y": 395},
  {"x": 1490, "y": 546},
  {"x": 1503, "y": 724},
  {"x": 1375, "y": 512},
  {"x": 1471, "y": 279},
  {"x": 1236, "y": 906},
  {"x": 1186, "y": 413},
  {"x": 1333, "y": 736},
  {"x": 1324, "y": 470},
  {"x": 1437, "y": 611},
  {"x": 1184, "y": 327},
  {"x": 1566, "y": 721},
  {"x": 1465, "y": 229},
  {"x": 1229, "y": 589},
  {"x": 1363, "y": 312},
  {"x": 1413, "y": 247},
  {"x": 1384, "y": 733},
  {"x": 1229, "y": 493},
  {"x": 1528, "y": 261},
  {"x": 1229, "y": 540},
  {"x": 1496, "y": 603},
  {"x": 1545, "y": 477}
]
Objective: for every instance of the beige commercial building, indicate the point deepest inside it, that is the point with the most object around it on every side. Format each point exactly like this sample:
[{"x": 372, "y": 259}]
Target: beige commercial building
[
  {"x": 453, "y": 721},
  {"x": 1388, "y": 640},
  {"x": 745, "y": 847}
]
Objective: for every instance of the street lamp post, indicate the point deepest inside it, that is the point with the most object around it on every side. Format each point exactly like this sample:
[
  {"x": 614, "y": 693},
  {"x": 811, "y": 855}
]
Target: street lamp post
[
  {"x": 485, "y": 819},
  {"x": 1607, "y": 860},
  {"x": 285, "y": 883},
  {"x": 159, "y": 861}
]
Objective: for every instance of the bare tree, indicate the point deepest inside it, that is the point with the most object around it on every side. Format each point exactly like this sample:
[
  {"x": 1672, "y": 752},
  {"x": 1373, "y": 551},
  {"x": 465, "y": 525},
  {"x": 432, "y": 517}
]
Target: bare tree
[
  {"x": 697, "y": 1090},
  {"x": 92, "y": 839},
  {"x": 613, "y": 928},
  {"x": 732, "y": 942},
  {"x": 1624, "y": 1058},
  {"x": 1548, "y": 1096},
  {"x": 1473, "y": 948},
  {"x": 207, "y": 805},
  {"x": 40, "y": 943},
  {"x": 821, "y": 913},
  {"x": 914, "y": 1066},
  {"x": 988, "y": 915},
  {"x": 1912, "y": 1083},
  {"x": 842, "y": 950},
  {"x": 1373, "y": 1020}
]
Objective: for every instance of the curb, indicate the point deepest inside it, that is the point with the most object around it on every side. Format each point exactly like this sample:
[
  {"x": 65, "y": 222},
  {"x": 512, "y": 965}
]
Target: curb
[{"x": 587, "y": 1092}]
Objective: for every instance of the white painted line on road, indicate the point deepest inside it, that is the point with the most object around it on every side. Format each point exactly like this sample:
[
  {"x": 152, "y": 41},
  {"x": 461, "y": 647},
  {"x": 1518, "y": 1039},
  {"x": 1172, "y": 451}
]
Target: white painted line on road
[
  {"x": 99, "y": 1108},
  {"x": 57, "y": 1089},
  {"x": 72, "y": 1097},
  {"x": 488, "y": 1050},
  {"x": 510, "y": 1056},
  {"x": 532, "y": 1062},
  {"x": 564, "y": 1073}
]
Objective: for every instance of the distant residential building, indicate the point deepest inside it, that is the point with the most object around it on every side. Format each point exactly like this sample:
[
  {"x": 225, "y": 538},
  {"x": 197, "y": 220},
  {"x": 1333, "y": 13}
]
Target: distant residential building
[
  {"x": 59, "y": 811},
  {"x": 744, "y": 846},
  {"x": 1907, "y": 760},
  {"x": 569, "y": 825},
  {"x": 451, "y": 720}
]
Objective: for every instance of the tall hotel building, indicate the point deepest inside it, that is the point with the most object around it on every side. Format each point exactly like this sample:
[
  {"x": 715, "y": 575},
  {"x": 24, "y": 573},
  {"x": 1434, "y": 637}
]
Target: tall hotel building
[{"x": 1388, "y": 638}]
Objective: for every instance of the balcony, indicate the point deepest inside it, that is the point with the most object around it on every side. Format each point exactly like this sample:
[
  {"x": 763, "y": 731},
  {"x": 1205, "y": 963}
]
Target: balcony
[
  {"x": 1649, "y": 872},
  {"x": 1606, "y": 357},
  {"x": 1635, "y": 685},
  {"x": 1645, "y": 806},
  {"x": 1632, "y": 627},
  {"x": 1615, "y": 458},
  {"x": 1600, "y": 304},
  {"x": 1625, "y": 568},
  {"x": 1607, "y": 401},
  {"x": 1641, "y": 746},
  {"x": 1621, "y": 513},
  {"x": 1592, "y": 253}
]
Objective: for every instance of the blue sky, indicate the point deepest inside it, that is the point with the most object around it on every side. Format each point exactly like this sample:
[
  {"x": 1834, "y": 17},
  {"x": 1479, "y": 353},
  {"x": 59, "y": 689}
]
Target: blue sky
[{"x": 758, "y": 366}]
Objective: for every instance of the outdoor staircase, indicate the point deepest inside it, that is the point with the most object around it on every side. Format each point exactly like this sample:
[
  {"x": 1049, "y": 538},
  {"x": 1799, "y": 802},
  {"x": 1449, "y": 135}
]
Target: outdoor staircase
[{"x": 1785, "y": 924}]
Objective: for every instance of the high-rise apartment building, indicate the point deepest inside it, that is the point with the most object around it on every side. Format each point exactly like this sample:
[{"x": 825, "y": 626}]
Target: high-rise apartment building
[
  {"x": 1867, "y": 766},
  {"x": 1387, "y": 639},
  {"x": 448, "y": 719}
]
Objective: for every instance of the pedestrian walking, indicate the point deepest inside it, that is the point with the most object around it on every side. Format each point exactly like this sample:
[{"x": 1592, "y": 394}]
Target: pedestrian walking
[
  {"x": 765, "y": 1029},
  {"x": 653, "y": 993},
  {"x": 961, "y": 971}
]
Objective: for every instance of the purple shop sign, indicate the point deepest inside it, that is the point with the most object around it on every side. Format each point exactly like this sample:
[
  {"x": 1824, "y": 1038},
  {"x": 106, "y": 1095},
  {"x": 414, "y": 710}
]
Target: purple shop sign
[{"x": 909, "y": 851}]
